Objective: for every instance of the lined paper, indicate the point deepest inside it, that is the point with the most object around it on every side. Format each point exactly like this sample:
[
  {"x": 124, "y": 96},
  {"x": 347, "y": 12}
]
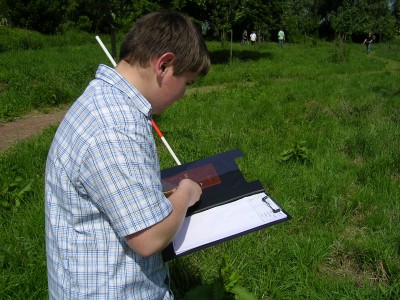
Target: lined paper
[{"x": 226, "y": 220}]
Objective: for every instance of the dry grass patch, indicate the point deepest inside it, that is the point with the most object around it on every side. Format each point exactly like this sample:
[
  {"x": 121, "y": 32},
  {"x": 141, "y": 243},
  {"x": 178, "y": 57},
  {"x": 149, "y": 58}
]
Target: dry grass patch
[{"x": 349, "y": 261}]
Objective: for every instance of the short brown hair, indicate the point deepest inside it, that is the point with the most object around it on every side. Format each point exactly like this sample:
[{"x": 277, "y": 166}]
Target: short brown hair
[{"x": 166, "y": 31}]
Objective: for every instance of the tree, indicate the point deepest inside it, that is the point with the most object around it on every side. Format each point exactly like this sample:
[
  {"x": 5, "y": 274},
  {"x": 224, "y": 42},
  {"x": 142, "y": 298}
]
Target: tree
[
  {"x": 101, "y": 16},
  {"x": 223, "y": 15},
  {"x": 395, "y": 10},
  {"x": 4, "y": 12},
  {"x": 256, "y": 14},
  {"x": 40, "y": 15},
  {"x": 348, "y": 19},
  {"x": 297, "y": 17},
  {"x": 300, "y": 17},
  {"x": 362, "y": 16},
  {"x": 112, "y": 14},
  {"x": 381, "y": 20}
]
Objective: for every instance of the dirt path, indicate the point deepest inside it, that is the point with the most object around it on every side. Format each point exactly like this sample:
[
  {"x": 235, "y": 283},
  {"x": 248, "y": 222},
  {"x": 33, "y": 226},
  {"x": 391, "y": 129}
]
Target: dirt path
[{"x": 27, "y": 126}]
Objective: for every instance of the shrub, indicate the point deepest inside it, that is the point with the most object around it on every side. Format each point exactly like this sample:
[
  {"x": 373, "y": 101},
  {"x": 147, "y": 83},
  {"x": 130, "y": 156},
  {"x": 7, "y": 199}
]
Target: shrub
[{"x": 13, "y": 191}]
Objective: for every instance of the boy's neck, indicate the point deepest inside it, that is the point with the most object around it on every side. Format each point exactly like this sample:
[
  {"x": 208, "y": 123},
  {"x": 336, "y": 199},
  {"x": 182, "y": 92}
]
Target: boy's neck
[{"x": 141, "y": 78}]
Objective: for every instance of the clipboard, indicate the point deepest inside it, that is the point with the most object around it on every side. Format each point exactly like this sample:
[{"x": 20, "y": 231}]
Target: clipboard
[{"x": 229, "y": 206}]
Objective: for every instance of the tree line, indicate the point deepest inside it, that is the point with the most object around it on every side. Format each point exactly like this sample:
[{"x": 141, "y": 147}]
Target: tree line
[{"x": 328, "y": 19}]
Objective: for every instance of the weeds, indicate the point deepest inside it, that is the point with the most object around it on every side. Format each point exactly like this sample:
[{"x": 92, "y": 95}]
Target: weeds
[
  {"x": 13, "y": 191},
  {"x": 341, "y": 51},
  {"x": 298, "y": 153},
  {"x": 226, "y": 286}
]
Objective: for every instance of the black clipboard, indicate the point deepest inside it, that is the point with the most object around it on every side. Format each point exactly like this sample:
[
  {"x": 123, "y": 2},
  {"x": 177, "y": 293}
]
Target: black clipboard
[{"x": 222, "y": 183}]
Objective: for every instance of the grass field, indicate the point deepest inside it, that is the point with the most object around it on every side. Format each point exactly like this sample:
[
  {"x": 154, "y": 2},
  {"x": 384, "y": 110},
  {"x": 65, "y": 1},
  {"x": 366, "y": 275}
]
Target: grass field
[{"x": 333, "y": 110}]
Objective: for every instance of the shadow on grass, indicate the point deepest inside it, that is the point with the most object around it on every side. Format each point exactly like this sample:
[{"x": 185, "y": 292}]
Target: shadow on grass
[
  {"x": 184, "y": 277},
  {"x": 223, "y": 56}
]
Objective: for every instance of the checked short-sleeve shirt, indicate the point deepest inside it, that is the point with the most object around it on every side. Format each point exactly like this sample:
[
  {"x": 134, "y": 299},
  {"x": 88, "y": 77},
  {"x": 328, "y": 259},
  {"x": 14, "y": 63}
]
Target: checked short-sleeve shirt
[{"x": 102, "y": 184}]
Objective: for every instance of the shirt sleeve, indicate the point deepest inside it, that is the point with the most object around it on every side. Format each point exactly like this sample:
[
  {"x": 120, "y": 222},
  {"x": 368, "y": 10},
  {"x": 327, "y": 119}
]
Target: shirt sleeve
[{"x": 120, "y": 173}]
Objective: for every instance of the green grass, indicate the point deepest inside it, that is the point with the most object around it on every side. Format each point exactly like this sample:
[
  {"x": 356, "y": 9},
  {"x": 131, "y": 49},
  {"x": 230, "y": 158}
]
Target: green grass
[
  {"x": 42, "y": 79},
  {"x": 16, "y": 39},
  {"x": 344, "y": 239},
  {"x": 22, "y": 247},
  {"x": 47, "y": 76}
]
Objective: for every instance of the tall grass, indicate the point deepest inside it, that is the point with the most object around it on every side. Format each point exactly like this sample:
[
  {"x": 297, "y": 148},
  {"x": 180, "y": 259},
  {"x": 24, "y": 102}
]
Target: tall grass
[
  {"x": 16, "y": 39},
  {"x": 344, "y": 239},
  {"x": 44, "y": 76},
  {"x": 43, "y": 79}
]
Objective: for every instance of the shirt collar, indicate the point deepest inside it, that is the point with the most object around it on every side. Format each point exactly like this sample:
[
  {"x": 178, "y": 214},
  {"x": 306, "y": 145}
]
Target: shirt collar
[{"x": 112, "y": 77}]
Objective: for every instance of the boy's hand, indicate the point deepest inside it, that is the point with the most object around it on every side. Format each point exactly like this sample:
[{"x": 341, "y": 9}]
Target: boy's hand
[{"x": 192, "y": 188}]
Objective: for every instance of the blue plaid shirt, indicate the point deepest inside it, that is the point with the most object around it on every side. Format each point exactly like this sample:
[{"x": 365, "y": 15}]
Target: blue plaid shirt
[{"x": 102, "y": 184}]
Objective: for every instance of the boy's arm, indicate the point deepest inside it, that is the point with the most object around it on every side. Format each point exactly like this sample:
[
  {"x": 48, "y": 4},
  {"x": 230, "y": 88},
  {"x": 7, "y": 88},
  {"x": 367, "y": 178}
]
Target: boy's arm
[{"x": 154, "y": 239}]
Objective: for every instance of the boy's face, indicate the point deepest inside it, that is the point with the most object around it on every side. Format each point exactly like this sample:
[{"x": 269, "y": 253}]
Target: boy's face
[{"x": 172, "y": 88}]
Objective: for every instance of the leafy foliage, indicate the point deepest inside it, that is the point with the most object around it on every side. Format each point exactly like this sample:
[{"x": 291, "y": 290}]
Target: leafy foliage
[
  {"x": 39, "y": 15},
  {"x": 297, "y": 17},
  {"x": 363, "y": 16},
  {"x": 226, "y": 287},
  {"x": 13, "y": 191},
  {"x": 298, "y": 153}
]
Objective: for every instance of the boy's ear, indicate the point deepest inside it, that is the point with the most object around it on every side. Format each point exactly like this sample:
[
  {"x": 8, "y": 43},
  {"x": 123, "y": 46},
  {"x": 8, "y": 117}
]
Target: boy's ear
[{"x": 163, "y": 62}]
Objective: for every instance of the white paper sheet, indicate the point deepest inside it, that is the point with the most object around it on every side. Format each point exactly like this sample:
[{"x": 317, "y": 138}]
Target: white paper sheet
[{"x": 226, "y": 220}]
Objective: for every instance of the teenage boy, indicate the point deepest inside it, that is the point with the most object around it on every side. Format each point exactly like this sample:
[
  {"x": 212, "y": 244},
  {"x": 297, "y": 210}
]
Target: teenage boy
[{"x": 107, "y": 219}]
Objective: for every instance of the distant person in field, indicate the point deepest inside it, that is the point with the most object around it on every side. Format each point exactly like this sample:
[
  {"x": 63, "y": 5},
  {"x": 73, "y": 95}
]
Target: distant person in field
[
  {"x": 368, "y": 42},
  {"x": 281, "y": 38},
  {"x": 244, "y": 38},
  {"x": 107, "y": 218},
  {"x": 253, "y": 38}
]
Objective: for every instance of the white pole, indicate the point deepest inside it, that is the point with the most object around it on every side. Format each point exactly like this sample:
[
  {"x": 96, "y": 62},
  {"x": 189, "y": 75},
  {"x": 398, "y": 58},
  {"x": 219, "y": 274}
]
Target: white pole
[
  {"x": 153, "y": 123},
  {"x": 106, "y": 51}
]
